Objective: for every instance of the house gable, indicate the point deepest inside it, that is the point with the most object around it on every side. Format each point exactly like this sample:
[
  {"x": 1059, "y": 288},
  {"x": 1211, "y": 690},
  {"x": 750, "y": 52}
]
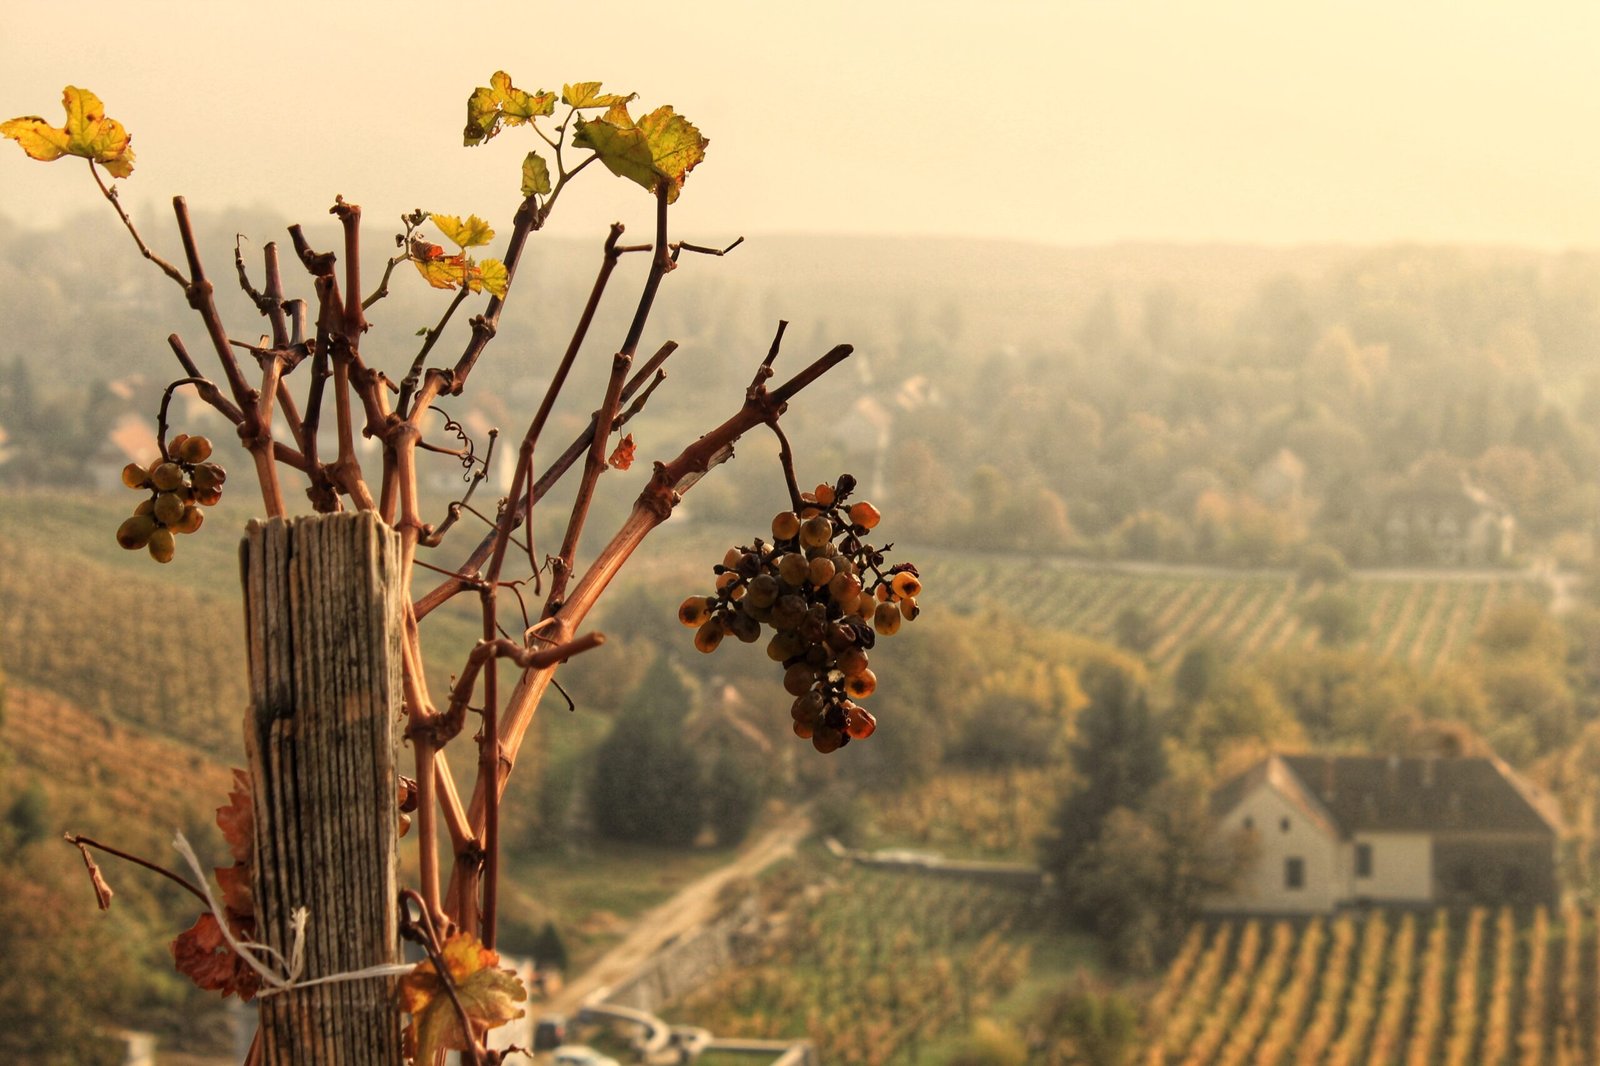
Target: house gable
[{"x": 1387, "y": 830}]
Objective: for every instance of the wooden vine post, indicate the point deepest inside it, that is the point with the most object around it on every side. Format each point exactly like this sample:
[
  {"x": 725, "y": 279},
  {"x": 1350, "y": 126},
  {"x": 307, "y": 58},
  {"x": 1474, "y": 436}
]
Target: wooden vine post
[{"x": 323, "y": 614}]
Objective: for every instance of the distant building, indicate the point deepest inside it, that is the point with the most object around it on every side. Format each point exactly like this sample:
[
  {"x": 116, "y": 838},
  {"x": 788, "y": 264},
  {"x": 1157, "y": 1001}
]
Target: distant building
[
  {"x": 1342, "y": 830},
  {"x": 1463, "y": 526}
]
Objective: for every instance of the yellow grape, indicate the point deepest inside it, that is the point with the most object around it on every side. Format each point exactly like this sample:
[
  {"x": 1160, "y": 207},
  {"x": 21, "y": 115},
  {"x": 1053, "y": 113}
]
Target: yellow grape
[
  {"x": 906, "y": 584},
  {"x": 162, "y": 545},
  {"x": 861, "y": 685},
  {"x": 194, "y": 450},
  {"x": 865, "y": 515},
  {"x": 886, "y": 619},
  {"x": 135, "y": 476},
  {"x": 168, "y": 508},
  {"x": 694, "y": 610},
  {"x": 708, "y": 636},
  {"x": 794, "y": 569},
  {"x": 785, "y": 525},
  {"x": 909, "y": 608},
  {"x": 821, "y": 571},
  {"x": 190, "y": 521},
  {"x": 852, "y": 661},
  {"x": 134, "y": 533},
  {"x": 816, "y": 531},
  {"x": 824, "y": 495},
  {"x": 167, "y": 476}
]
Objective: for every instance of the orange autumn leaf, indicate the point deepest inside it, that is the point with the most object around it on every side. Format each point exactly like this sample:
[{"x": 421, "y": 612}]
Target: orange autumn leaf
[
  {"x": 622, "y": 455},
  {"x": 488, "y": 995},
  {"x": 201, "y": 954},
  {"x": 237, "y": 819},
  {"x": 87, "y": 133}
]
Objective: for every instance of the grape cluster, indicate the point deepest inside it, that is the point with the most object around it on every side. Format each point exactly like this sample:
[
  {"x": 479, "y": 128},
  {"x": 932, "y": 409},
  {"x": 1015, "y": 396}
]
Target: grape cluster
[
  {"x": 826, "y": 595},
  {"x": 180, "y": 482}
]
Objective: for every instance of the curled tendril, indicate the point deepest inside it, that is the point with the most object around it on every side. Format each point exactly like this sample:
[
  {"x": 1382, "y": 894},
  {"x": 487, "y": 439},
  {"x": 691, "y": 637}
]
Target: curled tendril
[{"x": 467, "y": 453}]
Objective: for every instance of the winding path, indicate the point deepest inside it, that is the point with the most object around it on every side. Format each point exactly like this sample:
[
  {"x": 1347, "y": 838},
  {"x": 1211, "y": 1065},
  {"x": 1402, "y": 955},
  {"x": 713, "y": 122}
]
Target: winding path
[{"x": 690, "y": 908}]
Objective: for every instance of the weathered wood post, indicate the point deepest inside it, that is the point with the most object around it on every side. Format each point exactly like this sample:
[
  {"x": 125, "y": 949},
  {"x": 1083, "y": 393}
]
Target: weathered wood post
[{"x": 322, "y": 609}]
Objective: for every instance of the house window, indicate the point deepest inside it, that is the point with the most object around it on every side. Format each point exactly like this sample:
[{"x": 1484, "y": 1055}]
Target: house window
[
  {"x": 1294, "y": 872},
  {"x": 1363, "y": 860},
  {"x": 1284, "y": 825}
]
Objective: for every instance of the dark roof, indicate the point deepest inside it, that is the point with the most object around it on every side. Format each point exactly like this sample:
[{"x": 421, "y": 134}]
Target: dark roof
[{"x": 1377, "y": 793}]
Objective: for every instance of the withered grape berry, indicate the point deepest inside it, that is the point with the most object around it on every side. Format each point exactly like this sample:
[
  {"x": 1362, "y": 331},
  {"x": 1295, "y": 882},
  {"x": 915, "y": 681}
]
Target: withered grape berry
[
  {"x": 177, "y": 484},
  {"x": 162, "y": 545},
  {"x": 134, "y": 533},
  {"x": 827, "y": 596}
]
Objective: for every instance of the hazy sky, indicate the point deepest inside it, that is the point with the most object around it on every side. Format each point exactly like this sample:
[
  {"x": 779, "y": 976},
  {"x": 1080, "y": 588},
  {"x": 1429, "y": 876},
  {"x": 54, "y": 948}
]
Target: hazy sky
[{"x": 1064, "y": 122}]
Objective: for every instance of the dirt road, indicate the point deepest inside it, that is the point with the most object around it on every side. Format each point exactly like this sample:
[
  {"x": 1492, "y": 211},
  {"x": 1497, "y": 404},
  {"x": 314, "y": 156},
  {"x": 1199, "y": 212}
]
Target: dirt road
[{"x": 683, "y": 913}]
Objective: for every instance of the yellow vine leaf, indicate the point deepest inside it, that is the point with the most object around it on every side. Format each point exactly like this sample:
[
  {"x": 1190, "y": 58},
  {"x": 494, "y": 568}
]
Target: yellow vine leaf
[
  {"x": 588, "y": 94},
  {"x": 661, "y": 146},
  {"x": 453, "y": 271},
  {"x": 535, "y": 176},
  {"x": 502, "y": 104},
  {"x": 87, "y": 133},
  {"x": 469, "y": 234},
  {"x": 494, "y": 276},
  {"x": 488, "y": 995}
]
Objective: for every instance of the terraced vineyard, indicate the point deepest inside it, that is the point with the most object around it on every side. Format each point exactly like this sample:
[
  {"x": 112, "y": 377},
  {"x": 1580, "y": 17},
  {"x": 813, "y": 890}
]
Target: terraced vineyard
[
  {"x": 1482, "y": 988},
  {"x": 1422, "y": 620}
]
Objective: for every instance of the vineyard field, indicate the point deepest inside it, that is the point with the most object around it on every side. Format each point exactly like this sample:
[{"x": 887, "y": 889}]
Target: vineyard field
[
  {"x": 872, "y": 967},
  {"x": 1423, "y": 620},
  {"x": 1489, "y": 988}
]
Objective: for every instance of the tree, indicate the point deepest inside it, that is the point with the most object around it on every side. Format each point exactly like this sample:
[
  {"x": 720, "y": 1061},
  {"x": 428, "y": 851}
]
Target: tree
[
  {"x": 1321, "y": 564},
  {"x": 1135, "y": 629},
  {"x": 1143, "y": 880},
  {"x": 1335, "y": 615},
  {"x": 731, "y": 792},
  {"x": 549, "y": 950},
  {"x": 1086, "y": 1025},
  {"x": 1117, "y": 758},
  {"x": 312, "y": 439},
  {"x": 29, "y": 815},
  {"x": 646, "y": 784}
]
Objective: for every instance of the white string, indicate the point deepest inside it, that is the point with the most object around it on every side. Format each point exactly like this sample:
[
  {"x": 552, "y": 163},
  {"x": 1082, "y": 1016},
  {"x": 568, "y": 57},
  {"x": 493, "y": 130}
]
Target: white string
[{"x": 295, "y": 963}]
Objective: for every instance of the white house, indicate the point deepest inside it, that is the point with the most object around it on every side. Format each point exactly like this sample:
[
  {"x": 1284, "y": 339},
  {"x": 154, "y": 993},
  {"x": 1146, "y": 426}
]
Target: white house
[{"x": 1341, "y": 830}]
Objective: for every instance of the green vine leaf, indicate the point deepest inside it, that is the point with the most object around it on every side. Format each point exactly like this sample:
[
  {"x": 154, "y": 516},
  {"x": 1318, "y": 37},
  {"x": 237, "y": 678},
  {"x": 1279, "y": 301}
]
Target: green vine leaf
[
  {"x": 502, "y": 104},
  {"x": 535, "y": 176},
  {"x": 661, "y": 146},
  {"x": 588, "y": 94}
]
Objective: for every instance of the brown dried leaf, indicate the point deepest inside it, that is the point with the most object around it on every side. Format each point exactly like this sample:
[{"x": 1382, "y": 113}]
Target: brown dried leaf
[
  {"x": 201, "y": 954},
  {"x": 102, "y": 890}
]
